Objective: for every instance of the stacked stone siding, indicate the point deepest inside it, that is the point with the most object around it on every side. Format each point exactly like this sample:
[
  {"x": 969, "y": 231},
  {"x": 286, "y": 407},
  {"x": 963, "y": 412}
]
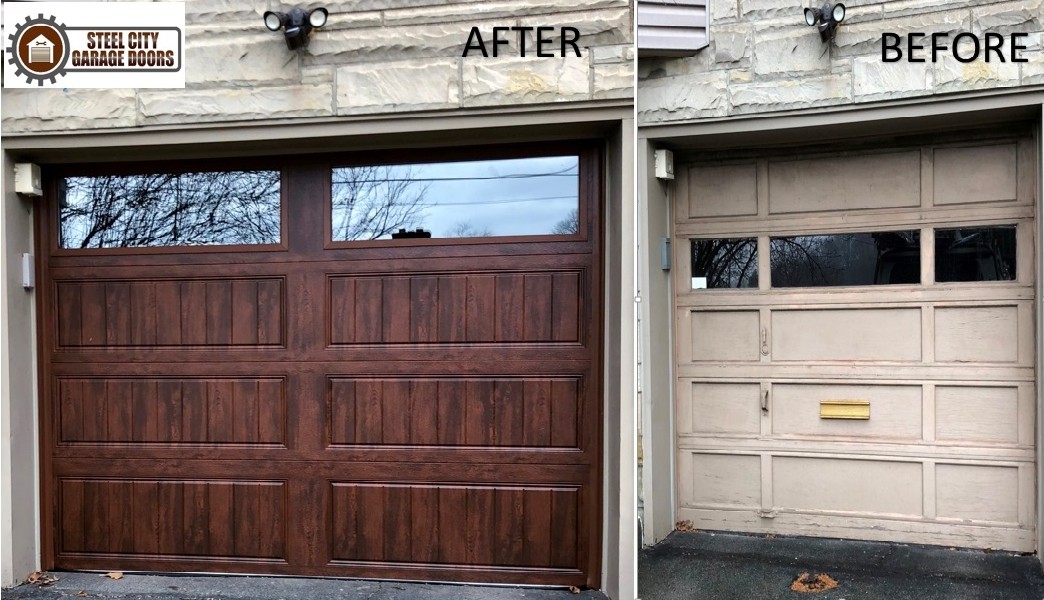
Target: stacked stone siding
[
  {"x": 763, "y": 58},
  {"x": 373, "y": 57}
]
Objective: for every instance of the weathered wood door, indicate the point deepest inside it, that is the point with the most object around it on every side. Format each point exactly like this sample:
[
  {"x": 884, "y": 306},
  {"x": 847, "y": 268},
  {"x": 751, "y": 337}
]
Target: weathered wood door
[
  {"x": 423, "y": 409},
  {"x": 893, "y": 283}
]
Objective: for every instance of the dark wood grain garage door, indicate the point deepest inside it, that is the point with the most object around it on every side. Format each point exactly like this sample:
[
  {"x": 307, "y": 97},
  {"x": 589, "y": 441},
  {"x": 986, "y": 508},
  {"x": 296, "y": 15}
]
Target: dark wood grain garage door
[{"x": 236, "y": 379}]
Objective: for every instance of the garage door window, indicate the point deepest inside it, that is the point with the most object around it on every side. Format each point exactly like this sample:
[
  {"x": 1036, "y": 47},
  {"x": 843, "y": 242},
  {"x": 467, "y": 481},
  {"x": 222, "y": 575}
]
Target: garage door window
[
  {"x": 474, "y": 199},
  {"x": 725, "y": 263},
  {"x": 975, "y": 254},
  {"x": 879, "y": 258},
  {"x": 170, "y": 209}
]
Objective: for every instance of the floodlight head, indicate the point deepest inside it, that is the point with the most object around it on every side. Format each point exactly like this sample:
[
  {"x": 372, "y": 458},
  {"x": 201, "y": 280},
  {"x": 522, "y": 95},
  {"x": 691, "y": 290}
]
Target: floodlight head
[
  {"x": 827, "y": 18},
  {"x": 296, "y": 24}
]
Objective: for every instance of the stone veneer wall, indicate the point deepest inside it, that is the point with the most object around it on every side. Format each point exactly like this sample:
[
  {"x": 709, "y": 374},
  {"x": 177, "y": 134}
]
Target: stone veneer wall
[
  {"x": 373, "y": 56},
  {"x": 762, "y": 58}
]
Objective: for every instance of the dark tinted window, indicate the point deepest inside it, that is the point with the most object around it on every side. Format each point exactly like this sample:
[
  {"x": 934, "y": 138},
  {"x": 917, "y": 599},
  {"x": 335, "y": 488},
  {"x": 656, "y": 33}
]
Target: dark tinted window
[
  {"x": 170, "y": 209},
  {"x": 975, "y": 254},
  {"x": 846, "y": 259},
  {"x": 725, "y": 263},
  {"x": 524, "y": 196}
]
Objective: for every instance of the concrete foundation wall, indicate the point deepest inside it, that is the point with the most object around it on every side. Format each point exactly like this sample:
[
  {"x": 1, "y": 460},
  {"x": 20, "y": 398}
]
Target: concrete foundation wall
[{"x": 763, "y": 58}]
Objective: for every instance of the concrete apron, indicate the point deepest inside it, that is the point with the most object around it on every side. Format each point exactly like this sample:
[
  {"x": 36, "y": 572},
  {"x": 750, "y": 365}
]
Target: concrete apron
[
  {"x": 214, "y": 587},
  {"x": 721, "y": 566}
]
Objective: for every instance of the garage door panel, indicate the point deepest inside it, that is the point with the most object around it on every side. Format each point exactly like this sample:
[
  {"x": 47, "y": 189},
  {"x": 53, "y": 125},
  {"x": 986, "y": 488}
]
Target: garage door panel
[
  {"x": 720, "y": 408},
  {"x": 977, "y": 174},
  {"x": 982, "y": 414},
  {"x": 529, "y": 307},
  {"x": 978, "y": 334},
  {"x": 867, "y": 334},
  {"x": 147, "y": 517},
  {"x": 456, "y": 411},
  {"x": 854, "y": 182},
  {"x": 722, "y": 335},
  {"x": 100, "y": 410},
  {"x": 726, "y": 190},
  {"x": 977, "y": 492},
  {"x": 725, "y": 480},
  {"x": 180, "y": 313},
  {"x": 895, "y": 411},
  {"x": 474, "y": 525},
  {"x": 868, "y": 487}
]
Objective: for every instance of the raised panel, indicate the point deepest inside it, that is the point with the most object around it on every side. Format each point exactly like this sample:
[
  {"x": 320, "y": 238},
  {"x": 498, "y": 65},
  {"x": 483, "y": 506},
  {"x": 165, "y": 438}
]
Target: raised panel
[
  {"x": 717, "y": 408},
  {"x": 868, "y": 181},
  {"x": 895, "y": 411},
  {"x": 224, "y": 519},
  {"x": 977, "y": 414},
  {"x": 475, "y": 525},
  {"x": 530, "y": 307},
  {"x": 725, "y": 335},
  {"x": 977, "y": 334},
  {"x": 170, "y": 313},
  {"x": 869, "y": 334},
  {"x": 976, "y": 174},
  {"x": 455, "y": 411},
  {"x": 188, "y": 410},
  {"x": 724, "y": 190},
  {"x": 977, "y": 493},
  {"x": 728, "y": 480},
  {"x": 868, "y": 487}
]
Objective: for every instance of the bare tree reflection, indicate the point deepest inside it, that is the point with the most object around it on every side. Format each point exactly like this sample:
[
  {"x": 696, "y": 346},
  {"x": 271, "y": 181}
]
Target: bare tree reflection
[
  {"x": 371, "y": 202},
  {"x": 846, "y": 259},
  {"x": 170, "y": 209},
  {"x": 569, "y": 224},
  {"x": 465, "y": 229},
  {"x": 726, "y": 263}
]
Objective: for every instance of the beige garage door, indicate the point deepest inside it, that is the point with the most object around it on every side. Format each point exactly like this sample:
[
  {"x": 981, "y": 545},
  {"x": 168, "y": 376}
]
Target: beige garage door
[{"x": 889, "y": 283}]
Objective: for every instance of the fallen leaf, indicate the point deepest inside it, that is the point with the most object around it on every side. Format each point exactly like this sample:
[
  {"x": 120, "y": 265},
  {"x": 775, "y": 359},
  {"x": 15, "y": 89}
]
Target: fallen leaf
[
  {"x": 40, "y": 578},
  {"x": 819, "y": 582},
  {"x": 574, "y": 590},
  {"x": 685, "y": 525},
  {"x": 114, "y": 575},
  {"x": 81, "y": 593}
]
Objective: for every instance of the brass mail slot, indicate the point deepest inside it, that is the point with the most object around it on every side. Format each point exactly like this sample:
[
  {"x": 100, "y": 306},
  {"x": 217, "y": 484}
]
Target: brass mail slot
[{"x": 844, "y": 409}]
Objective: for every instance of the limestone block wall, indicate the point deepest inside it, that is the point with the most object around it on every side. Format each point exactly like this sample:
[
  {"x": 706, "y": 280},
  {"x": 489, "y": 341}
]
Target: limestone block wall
[
  {"x": 372, "y": 57},
  {"x": 763, "y": 58}
]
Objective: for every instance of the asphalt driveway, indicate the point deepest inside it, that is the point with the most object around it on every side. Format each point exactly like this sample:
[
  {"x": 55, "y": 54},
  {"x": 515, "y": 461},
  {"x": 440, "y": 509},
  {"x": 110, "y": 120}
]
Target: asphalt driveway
[{"x": 719, "y": 566}]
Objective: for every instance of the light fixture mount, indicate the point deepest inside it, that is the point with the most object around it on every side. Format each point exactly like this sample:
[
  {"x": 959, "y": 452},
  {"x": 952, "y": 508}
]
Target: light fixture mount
[
  {"x": 826, "y": 18},
  {"x": 296, "y": 24}
]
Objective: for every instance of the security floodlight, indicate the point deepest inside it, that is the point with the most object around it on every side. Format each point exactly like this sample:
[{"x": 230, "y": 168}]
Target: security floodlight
[
  {"x": 827, "y": 18},
  {"x": 296, "y": 24},
  {"x": 317, "y": 18},
  {"x": 811, "y": 16},
  {"x": 838, "y": 14}
]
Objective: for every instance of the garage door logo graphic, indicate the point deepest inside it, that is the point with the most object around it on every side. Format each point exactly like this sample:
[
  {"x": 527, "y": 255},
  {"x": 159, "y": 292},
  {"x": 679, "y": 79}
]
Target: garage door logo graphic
[{"x": 39, "y": 49}]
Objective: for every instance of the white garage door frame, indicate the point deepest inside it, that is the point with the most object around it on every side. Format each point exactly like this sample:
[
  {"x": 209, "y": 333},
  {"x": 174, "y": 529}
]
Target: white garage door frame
[{"x": 835, "y": 125}]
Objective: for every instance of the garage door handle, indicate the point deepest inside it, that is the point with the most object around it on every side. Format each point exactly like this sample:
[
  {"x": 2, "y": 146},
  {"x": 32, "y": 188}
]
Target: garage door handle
[
  {"x": 764, "y": 401},
  {"x": 764, "y": 341}
]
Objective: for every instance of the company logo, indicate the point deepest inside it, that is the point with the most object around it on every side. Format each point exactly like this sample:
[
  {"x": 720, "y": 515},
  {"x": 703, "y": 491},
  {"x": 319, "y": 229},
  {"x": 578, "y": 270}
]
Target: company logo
[
  {"x": 39, "y": 49},
  {"x": 94, "y": 44}
]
